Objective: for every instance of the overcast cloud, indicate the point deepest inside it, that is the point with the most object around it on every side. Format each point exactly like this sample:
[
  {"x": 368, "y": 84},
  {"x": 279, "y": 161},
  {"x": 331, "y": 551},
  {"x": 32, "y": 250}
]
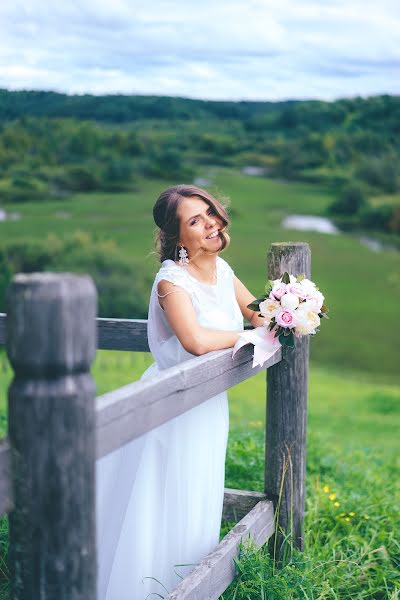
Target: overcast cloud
[{"x": 222, "y": 50}]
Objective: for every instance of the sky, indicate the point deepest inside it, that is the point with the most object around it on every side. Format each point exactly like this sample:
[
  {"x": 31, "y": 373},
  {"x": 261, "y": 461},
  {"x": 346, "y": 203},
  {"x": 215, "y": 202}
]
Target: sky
[{"x": 207, "y": 49}]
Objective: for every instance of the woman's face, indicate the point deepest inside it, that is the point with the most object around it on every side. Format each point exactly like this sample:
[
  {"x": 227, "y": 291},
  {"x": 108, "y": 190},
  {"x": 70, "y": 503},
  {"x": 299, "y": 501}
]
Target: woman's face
[{"x": 198, "y": 222}]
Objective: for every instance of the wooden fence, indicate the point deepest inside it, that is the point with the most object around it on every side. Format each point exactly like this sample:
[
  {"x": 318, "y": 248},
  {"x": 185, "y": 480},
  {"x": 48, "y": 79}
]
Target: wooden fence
[{"x": 57, "y": 429}]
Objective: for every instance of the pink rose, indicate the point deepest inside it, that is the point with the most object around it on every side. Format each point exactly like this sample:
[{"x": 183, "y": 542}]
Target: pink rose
[
  {"x": 297, "y": 289},
  {"x": 278, "y": 291},
  {"x": 285, "y": 317}
]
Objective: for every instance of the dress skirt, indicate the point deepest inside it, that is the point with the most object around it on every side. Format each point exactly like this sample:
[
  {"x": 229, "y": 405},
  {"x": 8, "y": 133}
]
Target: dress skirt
[{"x": 159, "y": 502}]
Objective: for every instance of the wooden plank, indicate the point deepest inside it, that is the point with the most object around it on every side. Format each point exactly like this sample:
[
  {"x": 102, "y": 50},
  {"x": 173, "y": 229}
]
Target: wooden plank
[
  {"x": 6, "y": 501},
  {"x": 112, "y": 334},
  {"x": 51, "y": 344},
  {"x": 134, "y": 409},
  {"x": 122, "y": 334},
  {"x": 216, "y": 571},
  {"x": 237, "y": 503},
  {"x": 287, "y": 383}
]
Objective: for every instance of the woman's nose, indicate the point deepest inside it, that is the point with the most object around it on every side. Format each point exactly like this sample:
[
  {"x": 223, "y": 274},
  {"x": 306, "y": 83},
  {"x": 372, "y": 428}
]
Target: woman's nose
[{"x": 211, "y": 221}]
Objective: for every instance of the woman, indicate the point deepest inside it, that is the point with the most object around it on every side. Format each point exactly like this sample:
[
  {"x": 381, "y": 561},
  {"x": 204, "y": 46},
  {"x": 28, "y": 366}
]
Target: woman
[{"x": 160, "y": 496}]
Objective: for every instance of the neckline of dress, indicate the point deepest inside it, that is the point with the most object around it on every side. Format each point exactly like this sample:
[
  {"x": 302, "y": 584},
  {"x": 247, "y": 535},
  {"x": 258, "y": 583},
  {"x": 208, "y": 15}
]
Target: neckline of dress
[{"x": 210, "y": 285}]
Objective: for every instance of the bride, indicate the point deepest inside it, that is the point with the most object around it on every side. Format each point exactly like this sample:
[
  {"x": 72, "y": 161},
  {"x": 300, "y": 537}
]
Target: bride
[{"x": 159, "y": 497}]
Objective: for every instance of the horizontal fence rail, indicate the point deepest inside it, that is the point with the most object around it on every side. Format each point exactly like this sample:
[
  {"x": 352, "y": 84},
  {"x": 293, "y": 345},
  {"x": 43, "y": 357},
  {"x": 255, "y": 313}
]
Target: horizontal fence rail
[
  {"x": 112, "y": 334},
  {"x": 130, "y": 411},
  {"x": 214, "y": 573},
  {"x": 134, "y": 409}
]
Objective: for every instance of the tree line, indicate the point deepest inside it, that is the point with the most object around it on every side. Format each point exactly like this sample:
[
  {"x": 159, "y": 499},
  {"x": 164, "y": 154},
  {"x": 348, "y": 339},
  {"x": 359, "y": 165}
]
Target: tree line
[{"x": 53, "y": 144}]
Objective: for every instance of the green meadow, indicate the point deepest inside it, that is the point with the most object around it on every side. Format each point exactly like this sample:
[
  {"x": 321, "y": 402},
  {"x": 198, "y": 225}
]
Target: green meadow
[
  {"x": 352, "y": 523},
  {"x": 362, "y": 287}
]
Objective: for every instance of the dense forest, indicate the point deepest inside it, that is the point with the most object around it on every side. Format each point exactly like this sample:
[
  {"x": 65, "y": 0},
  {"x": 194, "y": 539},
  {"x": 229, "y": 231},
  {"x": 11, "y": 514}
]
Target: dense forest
[{"x": 53, "y": 144}]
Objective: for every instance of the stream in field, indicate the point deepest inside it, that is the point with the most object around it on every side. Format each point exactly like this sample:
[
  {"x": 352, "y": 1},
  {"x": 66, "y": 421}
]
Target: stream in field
[{"x": 325, "y": 225}]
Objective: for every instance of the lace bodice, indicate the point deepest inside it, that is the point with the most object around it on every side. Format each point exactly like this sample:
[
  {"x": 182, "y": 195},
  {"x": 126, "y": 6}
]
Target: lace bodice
[{"x": 215, "y": 307}]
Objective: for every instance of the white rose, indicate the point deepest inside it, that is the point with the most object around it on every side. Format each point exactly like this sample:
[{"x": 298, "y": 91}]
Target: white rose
[
  {"x": 316, "y": 301},
  {"x": 290, "y": 301},
  {"x": 308, "y": 286},
  {"x": 307, "y": 319},
  {"x": 269, "y": 308}
]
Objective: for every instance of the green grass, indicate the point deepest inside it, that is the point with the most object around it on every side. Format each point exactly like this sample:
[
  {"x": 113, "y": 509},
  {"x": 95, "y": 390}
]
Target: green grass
[{"x": 362, "y": 287}]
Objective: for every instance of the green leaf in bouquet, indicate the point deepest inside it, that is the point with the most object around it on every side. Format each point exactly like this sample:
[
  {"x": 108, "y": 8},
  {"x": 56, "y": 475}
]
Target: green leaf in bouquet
[
  {"x": 300, "y": 277},
  {"x": 324, "y": 315},
  {"x": 285, "y": 277},
  {"x": 286, "y": 331},
  {"x": 287, "y": 340},
  {"x": 324, "y": 309},
  {"x": 255, "y": 305},
  {"x": 278, "y": 332}
]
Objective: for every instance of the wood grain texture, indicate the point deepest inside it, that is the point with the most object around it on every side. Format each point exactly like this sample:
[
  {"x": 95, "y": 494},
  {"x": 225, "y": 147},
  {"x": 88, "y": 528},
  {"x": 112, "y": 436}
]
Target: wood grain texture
[
  {"x": 237, "y": 503},
  {"x": 214, "y": 573},
  {"x": 287, "y": 386},
  {"x": 122, "y": 334},
  {"x": 112, "y": 334},
  {"x": 6, "y": 496},
  {"x": 51, "y": 342},
  {"x": 134, "y": 409}
]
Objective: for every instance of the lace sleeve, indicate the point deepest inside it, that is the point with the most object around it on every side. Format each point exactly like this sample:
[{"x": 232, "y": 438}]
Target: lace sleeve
[
  {"x": 175, "y": 275},
  {"x": 226, "y": 270}
]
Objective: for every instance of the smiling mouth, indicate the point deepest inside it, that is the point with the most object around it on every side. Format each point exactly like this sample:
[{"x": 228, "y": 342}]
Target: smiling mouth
[{"x": 213, "y": 235}]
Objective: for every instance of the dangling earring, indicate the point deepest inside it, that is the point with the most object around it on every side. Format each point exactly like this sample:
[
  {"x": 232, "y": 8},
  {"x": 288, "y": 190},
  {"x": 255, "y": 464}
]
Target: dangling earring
[{"x": 183, "y": 257}]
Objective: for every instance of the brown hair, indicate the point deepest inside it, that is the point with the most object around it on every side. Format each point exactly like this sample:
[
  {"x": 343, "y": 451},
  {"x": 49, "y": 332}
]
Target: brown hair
[{"x": 166, "y": 218}]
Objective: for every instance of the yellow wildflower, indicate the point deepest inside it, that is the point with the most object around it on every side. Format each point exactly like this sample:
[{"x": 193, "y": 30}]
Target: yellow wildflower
[
  {"x": 347, "y": 519},
  {"x": 332, "y": 496},
  {"x": 326, "y": 488},
  {"x": 342, "y": 514},
  {"x": 352, "y": 514},
  {"x": 337, "y": 504},
  {"x": 366, "y": 517}
]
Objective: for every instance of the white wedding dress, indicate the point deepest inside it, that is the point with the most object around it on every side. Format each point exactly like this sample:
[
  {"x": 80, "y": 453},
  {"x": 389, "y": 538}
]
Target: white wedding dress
[{"x": 159, "y": 498}]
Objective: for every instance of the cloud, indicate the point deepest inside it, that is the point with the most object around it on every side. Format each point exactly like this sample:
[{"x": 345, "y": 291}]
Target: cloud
[{"x": 223, "y": 49}]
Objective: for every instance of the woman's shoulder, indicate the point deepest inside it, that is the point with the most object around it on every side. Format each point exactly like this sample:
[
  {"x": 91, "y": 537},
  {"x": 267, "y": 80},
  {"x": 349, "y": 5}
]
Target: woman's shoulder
[
  {"x": 174, "y": 273},
  {"x": 224, "y": 268}
]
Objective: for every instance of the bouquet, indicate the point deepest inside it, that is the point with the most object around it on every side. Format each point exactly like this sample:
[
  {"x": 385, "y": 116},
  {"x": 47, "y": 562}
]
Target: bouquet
[{"x": 292, "y": 306}]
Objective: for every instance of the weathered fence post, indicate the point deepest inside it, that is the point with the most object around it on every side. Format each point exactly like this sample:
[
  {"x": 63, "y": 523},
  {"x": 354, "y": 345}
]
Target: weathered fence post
[
  {"x": 51, "y": 342},
  {"x": 287, "y": 384}
]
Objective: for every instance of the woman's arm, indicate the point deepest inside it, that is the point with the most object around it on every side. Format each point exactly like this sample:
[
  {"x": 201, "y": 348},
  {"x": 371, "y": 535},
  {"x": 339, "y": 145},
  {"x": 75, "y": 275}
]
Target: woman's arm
[
  {"x": 244, "y": 297},
  {"x": 181, "y": 316}
]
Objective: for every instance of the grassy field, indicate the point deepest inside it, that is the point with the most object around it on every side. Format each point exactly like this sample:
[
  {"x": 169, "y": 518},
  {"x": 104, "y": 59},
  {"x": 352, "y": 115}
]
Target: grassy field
[{"x": 362, "y": 287}]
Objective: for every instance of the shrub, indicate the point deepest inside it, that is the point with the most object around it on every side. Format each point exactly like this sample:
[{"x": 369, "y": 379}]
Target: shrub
[
  {"x": 79, "y": 179},
  {"x": 350, "y": 201},
  {"x": 381, "y": 173},
  {"x": 123, "y": 286},
  {"x": 376, "y": 217}
]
